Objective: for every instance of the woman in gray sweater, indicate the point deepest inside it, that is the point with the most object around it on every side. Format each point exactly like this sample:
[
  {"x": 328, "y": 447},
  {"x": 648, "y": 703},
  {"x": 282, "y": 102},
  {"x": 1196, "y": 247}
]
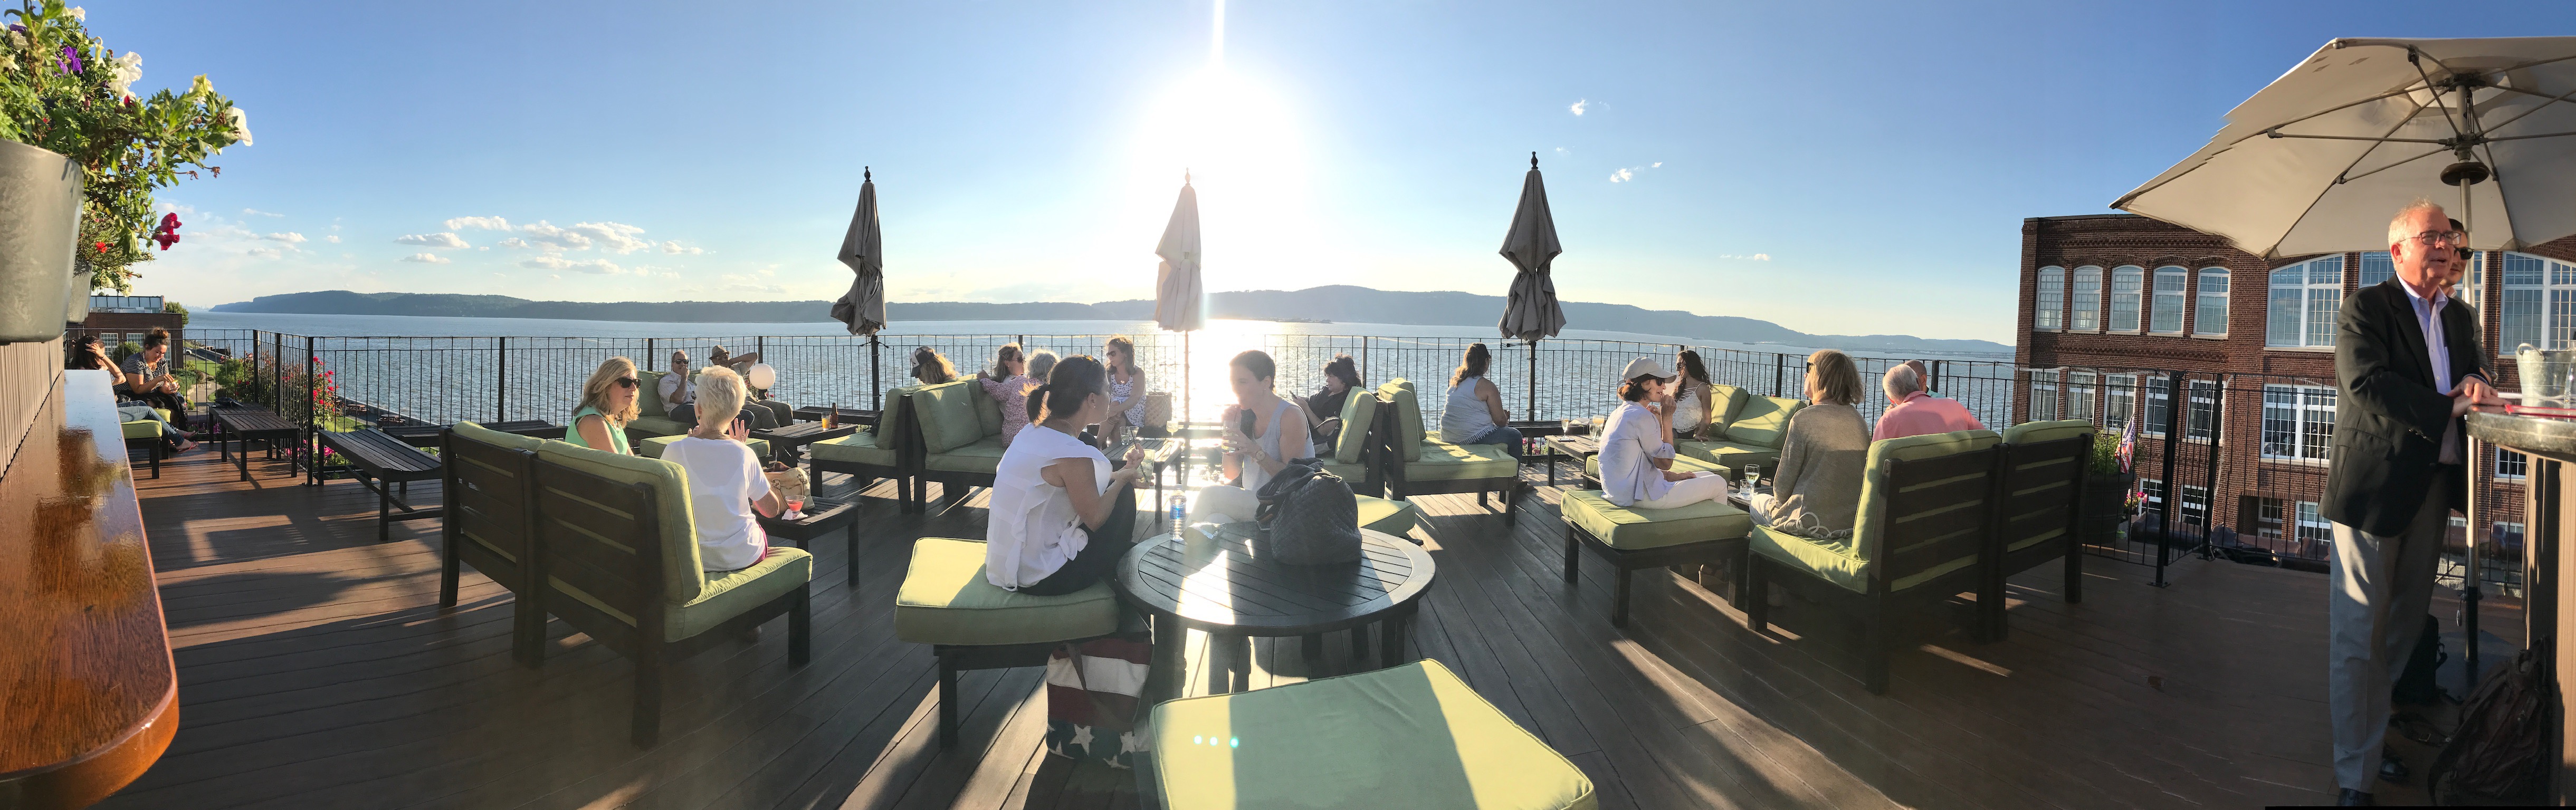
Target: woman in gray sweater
[{"x": 1816, "y": 491}]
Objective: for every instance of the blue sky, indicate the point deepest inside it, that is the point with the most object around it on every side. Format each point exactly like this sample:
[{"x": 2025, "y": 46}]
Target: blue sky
[{"x": 1833, "y": 167}]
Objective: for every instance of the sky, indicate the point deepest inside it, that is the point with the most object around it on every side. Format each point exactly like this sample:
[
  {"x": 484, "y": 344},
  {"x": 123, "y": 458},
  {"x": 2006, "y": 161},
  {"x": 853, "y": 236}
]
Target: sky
[{"x": 1834, "y": 167}]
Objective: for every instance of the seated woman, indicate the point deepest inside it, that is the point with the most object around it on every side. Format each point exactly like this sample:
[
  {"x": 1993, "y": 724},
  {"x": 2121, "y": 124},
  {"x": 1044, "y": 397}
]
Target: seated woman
[
  {"x": 1692, "y": 399},
  {"x": 1475, "y": 412},
  {"x": 930, "y": 368},
  {"x": 147, "y": 378},
  {"x": 88, "y": 355},
  {"x": 1324, "y": 409},
  {"x": 1263, "y": 432},
  {"x": 1816, "y": 491},
  {"x": 1637, "y": 447},
  {"x": 1059, "y": 519},
  {"x": 1126, "y": 390},
  {"x": 607, "y": 404},
  {"x": 1008, "y": 384},
  {"x": 726, "y": 485},
  {"x": 1040, "y": 362}
]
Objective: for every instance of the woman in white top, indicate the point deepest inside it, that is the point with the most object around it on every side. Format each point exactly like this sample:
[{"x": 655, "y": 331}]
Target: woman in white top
[
  {"x": 1475, "y": 414},
  {"x": 1637, "y": 447},
  {"x": 1692, "y": 399},
  {"x": 725, "y": 482},
  {"x": 1059, "y": 519},
  {"x": 1126, "y": 389}
]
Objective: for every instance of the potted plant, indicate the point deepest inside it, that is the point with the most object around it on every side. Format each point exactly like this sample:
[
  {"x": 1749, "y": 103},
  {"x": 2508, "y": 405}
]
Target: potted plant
[
  {"x": 80, "y": 156},
  {"x": 2108, "y": 492}
]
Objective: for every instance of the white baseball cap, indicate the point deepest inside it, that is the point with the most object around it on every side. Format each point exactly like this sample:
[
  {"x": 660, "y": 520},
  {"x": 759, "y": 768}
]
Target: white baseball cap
[{"x": 1645, "y": 367}]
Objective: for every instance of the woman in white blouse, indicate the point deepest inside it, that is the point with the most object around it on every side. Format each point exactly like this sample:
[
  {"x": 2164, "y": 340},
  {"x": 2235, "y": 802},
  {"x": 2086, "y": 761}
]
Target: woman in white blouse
[
  {"x": 1637, "y": 447},
  {"x": 1059, "y": 519}
]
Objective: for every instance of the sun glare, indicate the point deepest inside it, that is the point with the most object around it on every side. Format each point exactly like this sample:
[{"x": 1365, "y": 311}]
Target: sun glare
[{"x": 1240, "y": 145}]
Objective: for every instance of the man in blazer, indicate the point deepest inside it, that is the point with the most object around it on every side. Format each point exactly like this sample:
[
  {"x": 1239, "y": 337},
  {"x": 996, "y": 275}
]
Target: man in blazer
[{"x": 2407, "y": 367}]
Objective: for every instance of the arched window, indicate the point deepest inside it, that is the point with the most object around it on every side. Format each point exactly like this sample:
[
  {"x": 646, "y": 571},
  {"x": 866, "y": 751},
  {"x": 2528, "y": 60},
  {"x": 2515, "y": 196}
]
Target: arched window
[
  {"x": 2087, "y": 314},
  {"x": 2170, "y": 286},
  {"x": 2211, "y": 319},
  {"x": 2126, "y": 282},
  {"x": 2052, "y": 299},
  {"x": 2539, "y": 303}
]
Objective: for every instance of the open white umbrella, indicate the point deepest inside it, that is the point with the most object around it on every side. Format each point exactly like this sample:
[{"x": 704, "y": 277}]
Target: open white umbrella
[
  {"x": 2316, "y": 161},
  {"x": 863, "y": 308},
  {"x": 1179, "y": 297},
  {"x": 1532, "y": 312}
]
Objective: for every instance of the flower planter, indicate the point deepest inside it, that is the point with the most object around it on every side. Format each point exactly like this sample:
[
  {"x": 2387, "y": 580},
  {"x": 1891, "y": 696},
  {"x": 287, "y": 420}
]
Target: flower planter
[
  {"x": 76, "y": 310},
  {"x": 40, "y": 208},
  {"x": 2105, "y": 507}
]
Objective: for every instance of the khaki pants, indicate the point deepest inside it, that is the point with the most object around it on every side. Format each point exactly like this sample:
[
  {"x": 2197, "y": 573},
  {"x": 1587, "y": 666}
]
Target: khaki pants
[{"x": 2378, "y": 590}]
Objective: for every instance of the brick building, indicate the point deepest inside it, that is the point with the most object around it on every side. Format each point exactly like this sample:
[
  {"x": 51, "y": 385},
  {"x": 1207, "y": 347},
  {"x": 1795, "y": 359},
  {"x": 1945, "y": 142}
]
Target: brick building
[
  {"x": 2115, "y": 307},
  {"x": 127, "y": 318}
]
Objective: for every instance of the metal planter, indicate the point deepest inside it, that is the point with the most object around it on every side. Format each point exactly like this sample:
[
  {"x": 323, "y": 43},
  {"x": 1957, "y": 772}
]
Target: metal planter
[
  {"x": 40, "y": 209},
  {"x": 76, "y": 310}
]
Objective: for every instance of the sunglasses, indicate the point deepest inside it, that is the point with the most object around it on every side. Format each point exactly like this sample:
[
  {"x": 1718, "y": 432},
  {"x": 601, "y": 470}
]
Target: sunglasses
[{"x": 626, "y": 382}]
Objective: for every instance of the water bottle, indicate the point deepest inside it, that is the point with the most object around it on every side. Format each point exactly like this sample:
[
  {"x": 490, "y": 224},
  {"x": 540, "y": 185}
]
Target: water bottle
[{"x": 1180, "y": 510}]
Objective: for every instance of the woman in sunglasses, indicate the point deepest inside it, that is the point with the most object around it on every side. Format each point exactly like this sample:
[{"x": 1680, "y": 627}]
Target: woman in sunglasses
[{"x": 607, "y": 404}]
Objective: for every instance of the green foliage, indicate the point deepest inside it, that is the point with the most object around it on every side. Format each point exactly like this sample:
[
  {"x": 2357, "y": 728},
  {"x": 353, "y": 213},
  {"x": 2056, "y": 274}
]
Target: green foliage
[
  {"x": 124, "y": 350},
  {"x": 2106, "y": 454},
  {"x": 239, "y": 379},
  {"x": 63, "y": 90},
  {"x": 176, "y": 308}
]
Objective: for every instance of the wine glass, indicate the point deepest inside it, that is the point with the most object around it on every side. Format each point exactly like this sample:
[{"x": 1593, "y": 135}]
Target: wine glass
[
  {"x": 1752, "y": 476},
  {"x": 796, "y": 509}
]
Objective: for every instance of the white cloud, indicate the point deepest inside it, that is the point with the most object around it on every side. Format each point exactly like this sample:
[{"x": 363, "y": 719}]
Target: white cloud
[
  {"x": 1658, "y": 164},
  {"x": 1758, "y": 257},
  {"x": 549, "y": 237},
  {"x": 441, "y": 239},
  {"x": 676, "y": 248},
  {"x": 516, "y": 242},
  {"x": 333, "y": 239},
  {"x": 1578, "y": 106},
  {"x": 259, "y": 213},
  {"x": 485, "y": 223},
  {"x": 289, "y": 237},
  {"x": 265, "y": 253},
  {"x": 1622, "y": 176},
  {"x": 611, "y": 237},
  {"x": 601, "y": 267},
  {"x": 426, "y": 258}
]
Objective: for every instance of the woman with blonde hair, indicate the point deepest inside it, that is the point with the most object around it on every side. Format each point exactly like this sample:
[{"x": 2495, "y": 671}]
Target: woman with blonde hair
[
  {"x": 1816, "y": 490},
  {"x": 1126, "y": 389},
  {"x": 932, "y": 368},
  {"x": 726, "y": 486},
  {"x": 607, "y": 404}
]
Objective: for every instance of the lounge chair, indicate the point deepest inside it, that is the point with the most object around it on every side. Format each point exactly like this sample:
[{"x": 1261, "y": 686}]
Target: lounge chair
[
  {"x": 970, "y": 623},
  {"x": 1416, "y": 464},
  {"x": 2041, "y": 495},
  {"x": 620, "y": 557},
  {"x": 1753, "y": 434},
  {"x": 1925, "y": 524},
  {"x": 489, "y": 499},
  {"x": 875, "y": 452},
  {"x": 1630, "y": 539},
  {"x": 144, "y": 439},
  {"x": 958, "y": 435}
]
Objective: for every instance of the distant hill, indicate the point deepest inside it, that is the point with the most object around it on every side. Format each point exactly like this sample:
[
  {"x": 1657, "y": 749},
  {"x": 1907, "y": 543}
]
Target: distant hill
[{"x": 1336, "y": 303}]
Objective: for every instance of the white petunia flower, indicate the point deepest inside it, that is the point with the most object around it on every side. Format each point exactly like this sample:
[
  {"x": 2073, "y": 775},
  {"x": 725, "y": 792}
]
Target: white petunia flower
[
  {"x": 124, "y": 72},
  {"x": 241, "y": 124},
  {"x": 79, "y": 14}
]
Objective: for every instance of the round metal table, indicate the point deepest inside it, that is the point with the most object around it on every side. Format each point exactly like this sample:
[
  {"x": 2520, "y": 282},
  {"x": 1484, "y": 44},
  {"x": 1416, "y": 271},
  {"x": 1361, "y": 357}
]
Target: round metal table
[{"x": 1226, "y": 587}]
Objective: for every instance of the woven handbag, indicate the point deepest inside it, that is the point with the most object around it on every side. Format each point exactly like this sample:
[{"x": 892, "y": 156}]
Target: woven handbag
[
  {"x": 1309, "y": 516},
  {"x": 1158, "y": 411}
]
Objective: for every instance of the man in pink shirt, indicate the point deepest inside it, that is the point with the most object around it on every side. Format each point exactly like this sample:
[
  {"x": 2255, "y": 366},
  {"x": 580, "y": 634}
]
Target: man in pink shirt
[{"x": 1916, "y": 411}]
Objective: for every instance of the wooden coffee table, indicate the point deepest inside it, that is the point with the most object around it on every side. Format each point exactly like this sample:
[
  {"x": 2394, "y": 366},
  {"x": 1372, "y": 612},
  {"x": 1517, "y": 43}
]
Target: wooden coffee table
[
  {"x": 1581, "y": 448},
  {"x": 250, "y": 423},
  {"x": 1226, "y": 587},
  {"x": 787, "y": 442},
  {"x": 822, "y": 516}
]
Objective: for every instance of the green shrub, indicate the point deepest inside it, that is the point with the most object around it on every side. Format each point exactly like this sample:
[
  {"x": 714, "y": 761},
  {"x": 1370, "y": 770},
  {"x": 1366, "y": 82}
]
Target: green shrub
[
  {"x": 2106, "y": 453},
  {"x": 176, "y": 308},
  {"x": 124, "y": 350}
]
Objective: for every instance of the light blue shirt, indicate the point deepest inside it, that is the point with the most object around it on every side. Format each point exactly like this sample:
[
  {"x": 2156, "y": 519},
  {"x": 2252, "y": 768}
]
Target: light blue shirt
[{"x": 2428, "y": 315}]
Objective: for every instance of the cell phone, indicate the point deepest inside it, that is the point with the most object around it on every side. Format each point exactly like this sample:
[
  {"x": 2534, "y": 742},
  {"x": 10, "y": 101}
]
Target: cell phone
[
  {"x": 742, "y": 422},
  {"x": 1247, "y": 420}
]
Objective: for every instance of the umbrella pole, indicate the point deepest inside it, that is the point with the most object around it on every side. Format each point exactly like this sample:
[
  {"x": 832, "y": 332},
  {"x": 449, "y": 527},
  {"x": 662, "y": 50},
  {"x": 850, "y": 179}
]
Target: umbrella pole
[
  {"x": 1185, "y": 377},
  {"x": 2470, "y": 590},
  {"x": 1532, "y": 413}
]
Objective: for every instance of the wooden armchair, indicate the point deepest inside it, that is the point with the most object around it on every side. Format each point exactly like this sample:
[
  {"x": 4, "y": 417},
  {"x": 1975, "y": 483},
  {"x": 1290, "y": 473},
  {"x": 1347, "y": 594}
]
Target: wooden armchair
[
  {"x": 2036, "y": 508},
  {"x": 490, "y": 503}
]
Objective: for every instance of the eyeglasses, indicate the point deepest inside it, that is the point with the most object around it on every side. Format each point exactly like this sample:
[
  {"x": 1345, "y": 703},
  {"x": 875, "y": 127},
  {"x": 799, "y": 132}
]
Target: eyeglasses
[
  {"x": 626, "y": 382},
  {"x": 2442, "y": 238}
]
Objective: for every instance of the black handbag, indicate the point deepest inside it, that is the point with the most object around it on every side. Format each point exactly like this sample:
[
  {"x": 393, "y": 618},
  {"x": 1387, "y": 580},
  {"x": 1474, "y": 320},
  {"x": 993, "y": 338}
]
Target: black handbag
[{"x": 1309, "y": 516}]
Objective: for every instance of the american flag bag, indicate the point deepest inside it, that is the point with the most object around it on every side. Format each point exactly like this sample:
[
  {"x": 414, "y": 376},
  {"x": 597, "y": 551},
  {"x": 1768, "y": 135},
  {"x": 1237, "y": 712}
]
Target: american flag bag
[{"x": 1093, "y": 689}]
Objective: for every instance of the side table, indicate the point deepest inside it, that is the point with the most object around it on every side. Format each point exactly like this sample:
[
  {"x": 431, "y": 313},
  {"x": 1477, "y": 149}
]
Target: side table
[{"x": 822, "y": 516}]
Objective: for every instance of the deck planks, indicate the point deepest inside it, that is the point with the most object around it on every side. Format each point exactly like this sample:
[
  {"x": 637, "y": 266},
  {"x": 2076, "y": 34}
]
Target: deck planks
[{"x": 316, "y": 670}]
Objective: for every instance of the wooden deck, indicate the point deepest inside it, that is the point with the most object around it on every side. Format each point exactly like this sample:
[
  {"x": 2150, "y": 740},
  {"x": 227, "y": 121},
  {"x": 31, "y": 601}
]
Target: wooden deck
[{"x": 316, "y": 671}]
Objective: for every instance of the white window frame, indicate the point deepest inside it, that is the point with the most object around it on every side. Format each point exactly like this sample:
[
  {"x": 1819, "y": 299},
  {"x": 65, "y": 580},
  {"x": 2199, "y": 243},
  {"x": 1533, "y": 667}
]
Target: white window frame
[
  {"x": 2302, "y": 410},
  {"x": 2200, "y": 423},
  {"x": 2511, "y": 466},
  {"x": 2154, "y": 502},
  {"x": 2539, "y": 304},
  {"x": 2312, "y": 522},
  {"x": 2085, "y": 304},
  {"x": 2211, "y": 302},
  {"x": 2043, "y": 396},
  {"x": 2119, "y": 401},
  {"x": 2169, "y": 302},
  {"x": 2192, "y": 495},
  {"x": 2128, "y": 303},
  {"x": 2049, "y": 312},
  {"x": 2376, "y": 266},
  {"x": 2312, "y": 291},
  {"x": 2152, "y": 397},
  {"x": 2080, "y": 397},
  {"x": 2271, "y": 518}
]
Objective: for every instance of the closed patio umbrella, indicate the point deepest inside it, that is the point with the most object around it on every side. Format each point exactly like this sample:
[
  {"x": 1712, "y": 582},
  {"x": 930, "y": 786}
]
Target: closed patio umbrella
[
  {"x": 1532, "y": 312},
  {"x": 863, "y": 308},
  {"x": 1179, "y": 297},
  {"x": 2316, "y": 161}
]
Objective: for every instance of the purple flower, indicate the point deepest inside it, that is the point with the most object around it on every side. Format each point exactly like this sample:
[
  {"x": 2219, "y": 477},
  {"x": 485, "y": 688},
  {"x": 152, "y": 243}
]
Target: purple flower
[{"x": 71, "y": 61}]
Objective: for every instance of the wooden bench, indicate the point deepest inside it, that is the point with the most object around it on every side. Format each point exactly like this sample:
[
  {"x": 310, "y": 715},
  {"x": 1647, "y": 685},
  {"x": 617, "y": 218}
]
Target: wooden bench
[
  {"x": 383, "y": 461},
  {"x": 252, "y": 423}
]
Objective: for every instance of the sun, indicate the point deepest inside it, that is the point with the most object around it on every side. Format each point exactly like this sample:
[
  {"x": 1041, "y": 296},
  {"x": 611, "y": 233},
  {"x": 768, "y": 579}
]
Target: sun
[{"x": 1241, "y": 146}]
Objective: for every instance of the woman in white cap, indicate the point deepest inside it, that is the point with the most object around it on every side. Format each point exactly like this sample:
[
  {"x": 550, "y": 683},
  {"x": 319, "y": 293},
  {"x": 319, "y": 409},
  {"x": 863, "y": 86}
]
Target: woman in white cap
[{"x": 1637, "y": 446}]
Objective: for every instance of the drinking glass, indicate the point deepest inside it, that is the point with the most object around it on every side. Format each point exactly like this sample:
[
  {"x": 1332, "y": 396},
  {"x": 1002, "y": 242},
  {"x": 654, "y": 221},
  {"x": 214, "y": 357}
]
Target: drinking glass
[
  {"x": 795, "y": 509},
  {"x": 1752, "y": 476}
]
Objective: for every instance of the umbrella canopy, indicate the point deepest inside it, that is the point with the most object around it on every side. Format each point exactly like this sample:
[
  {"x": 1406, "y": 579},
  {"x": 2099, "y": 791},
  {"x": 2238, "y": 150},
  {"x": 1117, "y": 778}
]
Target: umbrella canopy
[
  {"x": 863, "y": 307},
  {"x": 2316, "y": 161},
  {"x": 1531, "y": 246},
  {"x": 1177, "y": 291}
]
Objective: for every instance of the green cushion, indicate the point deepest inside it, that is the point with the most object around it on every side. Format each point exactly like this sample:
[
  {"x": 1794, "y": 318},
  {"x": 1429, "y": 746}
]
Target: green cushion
[
  {"x": 1731, "y": 455},
  {"x": 648, "y": 396},
  {"x": 142, "y": 429},
  {"x": 1873, "y": 519},
  {"x": 164, "y": 412},
  {"x": 496, "y": 438},
  {"x": 1391, "y": 517},
  {"x": 857, "y": 448},
  {"x": 646, "y": 427},
  {"x": 1629, "y": 529},
  {"x": 2036, "y": 432},
  {"x": 652, "y": 447},
  {"x": 1592, "y": 466},
  {"x": 988, "y": 412},
  {"x": 1829, "y": 560},
  {"x": 1412, "y": 736},
  {"x": 1724, "y": 402},
  {"x": 945, "y": 599},
  {"x": 783, "y": 570},
  {"x": 886, "y": 412},
  {"x": 1359, "y": 414},
  {"x": 1442, "y": 461},
  {"x": 946, "y": 413},
  {"x": 984, "y": 456},
  {"x": 682, "y": 579},
  {"x": 1763, "y": 421},
  {"x": 1353, "y": 474},
  {"x": 1408, "y": 418}
]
